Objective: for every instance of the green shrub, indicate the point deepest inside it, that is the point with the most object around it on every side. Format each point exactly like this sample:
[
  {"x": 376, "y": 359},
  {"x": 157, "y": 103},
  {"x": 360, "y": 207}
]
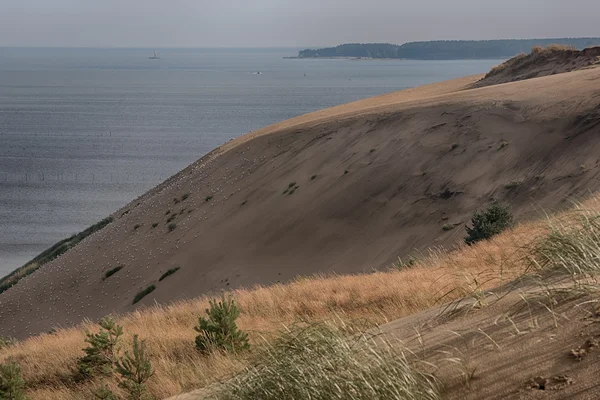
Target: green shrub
[
  {"x": 102, "y": 351},
  {"x": 219, "y": 330},
  {"x": 448, "y": 227},
  {"x": 143, "y": 293},
  {"x": 454, "y": 146},
  {"x": 513, "y": 184},
  {"x": 12, "y": 385},
  {"x": 208, "y": 198},
  {"x": 136, "y": 227},
  {"x": 488, "y": 223},
  {"x": 185, "y": 197},
  {"x": 135, "y": 369},
  {"x": 312, "y": 178},
  {"x": 113, "y": 271},
  {"x": 172, "y": 226},
  {"x": 154, "y": 225},
  {"x": 171, "y": 271},
  {"x": 322, "y": 362}
]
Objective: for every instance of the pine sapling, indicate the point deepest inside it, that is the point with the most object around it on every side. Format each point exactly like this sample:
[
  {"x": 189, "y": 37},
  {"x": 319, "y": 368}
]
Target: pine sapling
[
  {"x": 219, "y": 330},
  {"x": 488, "y": 223},
  {"x": 12, "y": 385},
  {"x": 103, "y": 349},
  {"x": 135, "y": 370}
]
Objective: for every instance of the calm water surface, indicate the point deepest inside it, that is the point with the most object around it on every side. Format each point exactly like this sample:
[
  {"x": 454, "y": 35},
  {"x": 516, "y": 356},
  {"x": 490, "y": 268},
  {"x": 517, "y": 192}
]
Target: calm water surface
[{"x": 84, "y": 131}]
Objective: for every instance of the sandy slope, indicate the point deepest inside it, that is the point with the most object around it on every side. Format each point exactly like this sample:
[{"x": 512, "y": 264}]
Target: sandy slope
[
  {"x": 403, "y": 183},
  {"x": 521, "y": 346}
]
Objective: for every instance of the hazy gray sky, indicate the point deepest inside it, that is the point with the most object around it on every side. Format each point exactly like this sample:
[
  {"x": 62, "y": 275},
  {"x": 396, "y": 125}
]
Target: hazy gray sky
[{"x": 297, "y": 23}]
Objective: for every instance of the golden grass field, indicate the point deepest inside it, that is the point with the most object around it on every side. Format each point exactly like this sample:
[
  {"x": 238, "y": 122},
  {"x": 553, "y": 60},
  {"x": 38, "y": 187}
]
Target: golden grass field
[{"x": 49, "y": 361}]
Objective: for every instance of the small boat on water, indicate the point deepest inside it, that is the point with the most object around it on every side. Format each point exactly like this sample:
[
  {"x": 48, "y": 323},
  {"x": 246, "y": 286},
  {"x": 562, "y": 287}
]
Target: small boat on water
[{"x": 155, "y": 56}]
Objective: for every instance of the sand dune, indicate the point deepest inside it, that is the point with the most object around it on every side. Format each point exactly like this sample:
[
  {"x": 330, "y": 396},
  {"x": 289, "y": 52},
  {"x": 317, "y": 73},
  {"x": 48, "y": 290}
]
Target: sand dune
[{"x": 341, "y": 190}]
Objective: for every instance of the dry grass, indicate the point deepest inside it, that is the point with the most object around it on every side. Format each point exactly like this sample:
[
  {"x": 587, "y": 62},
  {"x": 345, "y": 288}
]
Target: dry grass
[
  {"x": 522, "y": 60},
  {"x": 48, "y": 361}
]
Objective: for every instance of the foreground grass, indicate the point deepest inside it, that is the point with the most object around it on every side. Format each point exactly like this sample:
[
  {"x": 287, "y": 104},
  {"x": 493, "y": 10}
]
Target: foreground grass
[
  {"x": 49, "y": 361},
  {"x": 323, "y": 362}
]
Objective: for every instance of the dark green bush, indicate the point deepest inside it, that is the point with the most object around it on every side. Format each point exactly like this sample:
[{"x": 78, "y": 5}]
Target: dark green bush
[
  {"x": 143, "y": 293},
  {"x": 219, "y": 330},
  {"x": 488, "y": 223},
  {"x": 172, "y": 226},
  {"x": 113, "y": 271},
  {"x": 169, "y": 272}
]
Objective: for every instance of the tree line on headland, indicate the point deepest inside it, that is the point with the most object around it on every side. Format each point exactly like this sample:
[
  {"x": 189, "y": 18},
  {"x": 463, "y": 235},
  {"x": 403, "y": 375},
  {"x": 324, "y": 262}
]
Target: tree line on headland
[{"x": 444, "y": 49}]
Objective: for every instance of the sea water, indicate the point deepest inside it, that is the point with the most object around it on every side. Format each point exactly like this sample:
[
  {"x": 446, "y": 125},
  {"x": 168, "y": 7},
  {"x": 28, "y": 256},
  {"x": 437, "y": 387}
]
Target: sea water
[{"x": 84, "y": 131}]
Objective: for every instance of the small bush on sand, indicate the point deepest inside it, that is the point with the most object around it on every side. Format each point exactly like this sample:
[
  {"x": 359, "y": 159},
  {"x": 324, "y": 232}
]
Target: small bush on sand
[
  {"x": 12, "y": 385},
  {"x": 135, "y": 370},
  {"x": 112, "y": 271},
  {"x": 322, "y": 362},
  {"x": 171, "y": 271},
  {"x": 143, "y": 293},
  {"x": 513, "y": 184},
  {"x": 172, "y": 226},
  {"x": 447, "y": 227},
  {"x": 219, "y": 330},
  {"x": 488, "y": 223},
  {"x": 102, "y": 351}
]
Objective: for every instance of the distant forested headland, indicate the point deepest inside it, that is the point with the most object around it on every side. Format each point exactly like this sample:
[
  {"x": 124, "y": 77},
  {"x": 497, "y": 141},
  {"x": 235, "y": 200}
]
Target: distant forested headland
[{"x": 444, "y": 49}]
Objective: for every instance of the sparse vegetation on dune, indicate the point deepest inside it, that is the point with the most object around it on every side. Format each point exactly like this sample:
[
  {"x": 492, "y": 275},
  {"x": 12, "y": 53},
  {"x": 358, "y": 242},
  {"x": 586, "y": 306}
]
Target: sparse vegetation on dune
[
  {"x": 48, "y": 362},
  {"x": 50, "y": 254},
  {"x": 549, "y": 60}
]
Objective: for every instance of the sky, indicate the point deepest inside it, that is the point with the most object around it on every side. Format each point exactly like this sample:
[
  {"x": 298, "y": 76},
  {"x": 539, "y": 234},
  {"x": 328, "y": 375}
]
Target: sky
[{"x": 285, "y": 23}]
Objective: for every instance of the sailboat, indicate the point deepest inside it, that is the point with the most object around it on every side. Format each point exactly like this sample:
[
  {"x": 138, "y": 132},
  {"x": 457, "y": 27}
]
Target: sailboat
[{"x": 155, "y": 56}]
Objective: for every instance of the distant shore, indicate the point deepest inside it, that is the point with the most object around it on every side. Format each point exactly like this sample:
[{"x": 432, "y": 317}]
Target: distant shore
[{"x": 443, "y": 49}]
